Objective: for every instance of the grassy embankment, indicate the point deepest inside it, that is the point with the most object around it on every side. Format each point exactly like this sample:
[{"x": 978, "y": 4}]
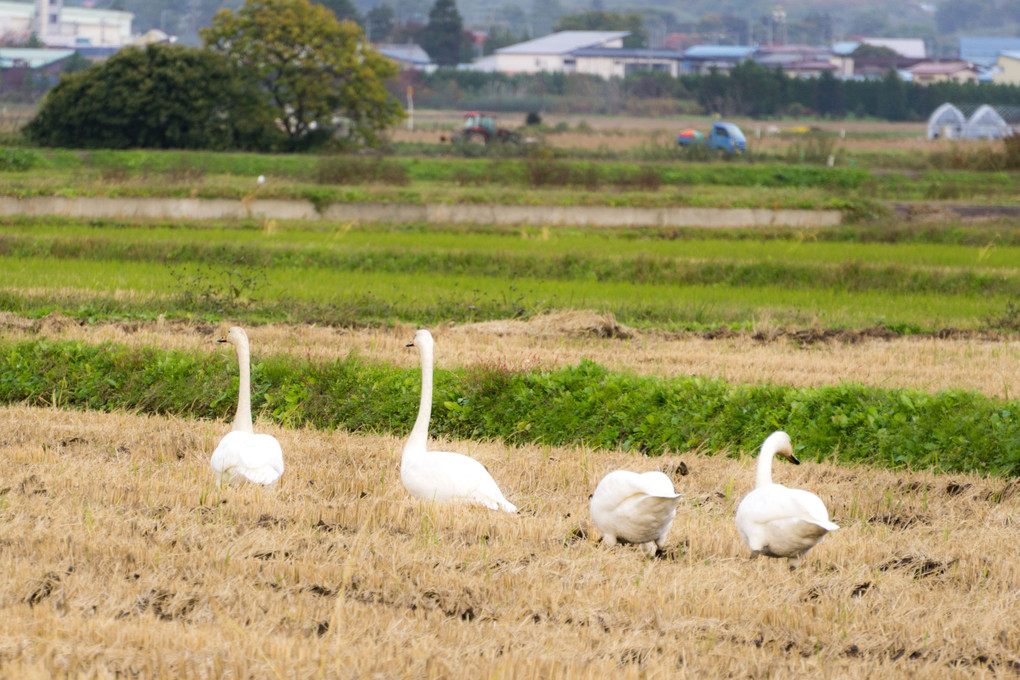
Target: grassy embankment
[{"x": 355, "y": 275}]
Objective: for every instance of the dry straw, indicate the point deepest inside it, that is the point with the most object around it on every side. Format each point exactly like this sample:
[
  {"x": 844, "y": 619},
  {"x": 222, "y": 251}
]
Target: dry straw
[{"x": 119, "y": 558}]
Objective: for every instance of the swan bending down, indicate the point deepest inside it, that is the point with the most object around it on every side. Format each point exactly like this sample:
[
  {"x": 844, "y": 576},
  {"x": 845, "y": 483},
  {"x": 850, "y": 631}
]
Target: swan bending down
[
  {"x": 776, "y": 521},
  {"x": 441, "y": 475},
  {"x": 634, "y": 508},
  {"x": 242, "y": 454}
]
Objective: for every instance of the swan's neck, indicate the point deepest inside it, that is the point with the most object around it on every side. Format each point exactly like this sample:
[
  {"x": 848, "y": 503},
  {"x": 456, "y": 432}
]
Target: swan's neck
[
  {"x": 420, "y": 432},
  {"x": 242, "y": 419},
  {"x": 763, "y": 477}
]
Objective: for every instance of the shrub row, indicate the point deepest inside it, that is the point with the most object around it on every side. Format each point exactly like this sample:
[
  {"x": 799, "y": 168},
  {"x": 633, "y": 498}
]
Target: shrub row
[{"x": 579, "y": 405}]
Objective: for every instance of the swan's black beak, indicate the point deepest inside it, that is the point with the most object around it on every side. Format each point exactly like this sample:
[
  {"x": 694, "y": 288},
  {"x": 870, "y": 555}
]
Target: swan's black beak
[
  {"x": 410, "y": 344},
  {"x": 793, "y": 459},
  {"x": 222, "y": 340}
]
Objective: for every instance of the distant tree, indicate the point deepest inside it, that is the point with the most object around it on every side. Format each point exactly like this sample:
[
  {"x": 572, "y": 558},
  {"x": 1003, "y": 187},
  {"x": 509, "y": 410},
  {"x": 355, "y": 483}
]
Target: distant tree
[
  {"x": 607, "y": 21},
  {"x": 545, "y": 13},
  {"x": 726, "y": 28},
  {"x": 162, "y": 96},
  {"x": 312, "y": 66},
  {"x": 379, "y": 23},
  {"x": 443, "y": 37},
  {"x": 871, "y": 21},
  {"x": 33, "y": 41},
  {"x": 501, "y": 37},
  {"x": 342, "y": 10},
  {"x": 866, "y": 50},
  {"x": 953, "y": 16},
  {"x": 892, "y": 97},
  {"x": 828, "y": 96},
  {"x": 75, "y": 63}
]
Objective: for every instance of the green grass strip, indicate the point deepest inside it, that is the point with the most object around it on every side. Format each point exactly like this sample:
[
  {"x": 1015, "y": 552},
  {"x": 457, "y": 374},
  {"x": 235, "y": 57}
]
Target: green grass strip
[{"x": 584, "y": 404}]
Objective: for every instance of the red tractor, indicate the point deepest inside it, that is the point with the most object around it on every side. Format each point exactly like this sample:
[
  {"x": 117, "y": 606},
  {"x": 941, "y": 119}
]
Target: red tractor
[{"x": 481, "y": 128}]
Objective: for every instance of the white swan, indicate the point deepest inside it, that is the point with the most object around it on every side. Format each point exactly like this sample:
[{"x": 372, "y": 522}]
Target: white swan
[
  {"x": 441, "y": 475},
  {"x": 634, "y": 508},
  {"x": 776, "y": 521},
  {"x": 242, "y": 454}
]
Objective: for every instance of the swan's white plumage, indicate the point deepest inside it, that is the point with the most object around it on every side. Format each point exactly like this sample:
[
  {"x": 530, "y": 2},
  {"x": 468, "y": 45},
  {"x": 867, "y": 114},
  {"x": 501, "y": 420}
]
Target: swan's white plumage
[
  {"x": 242, "y": 454},
  {"x": 255, "y": 457},
  {"x": 442, "y": 476},
  {"x": 634, "y": 508},
  {"x": 776, "y": 521}
]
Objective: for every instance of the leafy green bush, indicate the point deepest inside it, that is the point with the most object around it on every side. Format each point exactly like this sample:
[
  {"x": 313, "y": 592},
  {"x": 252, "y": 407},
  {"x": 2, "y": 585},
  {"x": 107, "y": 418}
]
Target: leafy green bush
[
  {"x": 584, "y": 404},
  {"x": 18, "y": 160}
]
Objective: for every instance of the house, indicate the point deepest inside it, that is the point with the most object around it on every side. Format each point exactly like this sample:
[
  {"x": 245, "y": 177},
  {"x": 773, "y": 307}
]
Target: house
[
  {"x": 911, "y": 48},
  {"x": 609, "y": 62},
  {"x": 407, "y": 56},
  {"x": 982, "y": 51},
  {"x": 69, "y": 27},
  {"x": 33, "y": 68},
  {"x": 927, "y": 72},
  {"x": 704, "y": 58},
  {"x": 1007, "y": 68},
  {"x": 805, "y": 61},
  {"x": 551, "y": 53}
]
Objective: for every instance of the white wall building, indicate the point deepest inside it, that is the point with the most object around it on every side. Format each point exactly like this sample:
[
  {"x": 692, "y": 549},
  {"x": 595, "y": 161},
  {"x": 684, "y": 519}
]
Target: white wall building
[
  {"x": 58, "y": 26},
  {"x": 551, "y": 53}
]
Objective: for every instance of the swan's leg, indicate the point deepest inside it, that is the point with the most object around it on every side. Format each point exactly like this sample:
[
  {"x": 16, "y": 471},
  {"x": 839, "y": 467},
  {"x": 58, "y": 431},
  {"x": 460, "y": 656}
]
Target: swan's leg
[
  {"x": 794, "y": 562},
  {"x": 755, "y": 553},
  {"x": 609, "y": 539},
  {"x": 650, "y": 548}
]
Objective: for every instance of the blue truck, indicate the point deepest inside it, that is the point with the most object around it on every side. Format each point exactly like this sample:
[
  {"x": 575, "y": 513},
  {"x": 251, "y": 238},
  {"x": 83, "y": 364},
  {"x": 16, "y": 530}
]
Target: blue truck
[{"x": 726, "y": 137}]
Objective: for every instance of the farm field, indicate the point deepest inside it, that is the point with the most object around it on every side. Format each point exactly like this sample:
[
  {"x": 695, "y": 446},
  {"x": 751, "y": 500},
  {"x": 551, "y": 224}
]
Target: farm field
[
  {"x": 337, "y": 573},
  {"x": 888, "y": 348}
]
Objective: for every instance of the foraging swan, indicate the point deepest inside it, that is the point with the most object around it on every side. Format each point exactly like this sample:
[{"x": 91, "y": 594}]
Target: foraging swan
[
  {"x": 632, "y": 508},
  {"x": 242, "y": 454},
  {"x": 441, "y": 475},
  {"x": 776, "y": 521}
]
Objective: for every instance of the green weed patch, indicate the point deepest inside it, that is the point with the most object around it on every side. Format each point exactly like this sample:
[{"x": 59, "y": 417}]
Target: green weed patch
[{"x": 581, "y": 405}]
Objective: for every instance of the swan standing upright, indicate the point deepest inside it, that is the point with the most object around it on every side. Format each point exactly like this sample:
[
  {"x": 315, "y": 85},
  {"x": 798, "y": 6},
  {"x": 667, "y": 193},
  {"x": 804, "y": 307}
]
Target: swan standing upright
[
  {"x": 776, "y": 521},
  {"x": 634, "y": 508},
  {"x": 242, "y": 454},
  {"x": 442, "y": 475}
]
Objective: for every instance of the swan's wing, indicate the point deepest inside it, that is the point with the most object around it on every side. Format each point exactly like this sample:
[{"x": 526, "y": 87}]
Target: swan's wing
[
  {"x": 257, "y": 457},
  {"x": 446, "y": 476},
  {"x": 776, "y": 503},
  {"x": 622, "y": 486}
]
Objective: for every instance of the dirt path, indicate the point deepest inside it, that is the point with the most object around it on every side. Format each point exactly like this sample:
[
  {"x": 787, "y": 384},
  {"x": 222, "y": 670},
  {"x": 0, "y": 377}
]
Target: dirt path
[{"x": 805, "y": 358}]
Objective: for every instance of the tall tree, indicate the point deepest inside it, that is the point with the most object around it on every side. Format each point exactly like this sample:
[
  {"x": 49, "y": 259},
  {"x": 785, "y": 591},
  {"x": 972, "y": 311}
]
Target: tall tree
[
  {"x": 312, "y": 66},
  {"x": 342, "y": 9},
  {"x": 607, "y": 21},
  {"x": 443, "y": 37},
  {"x": 162, "y": 96},
  {"x": 379, "y": 23}
]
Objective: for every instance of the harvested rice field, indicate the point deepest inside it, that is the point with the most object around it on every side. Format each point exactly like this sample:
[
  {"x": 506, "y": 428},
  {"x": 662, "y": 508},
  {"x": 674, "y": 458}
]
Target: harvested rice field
[{"x": 121, "y": 559}]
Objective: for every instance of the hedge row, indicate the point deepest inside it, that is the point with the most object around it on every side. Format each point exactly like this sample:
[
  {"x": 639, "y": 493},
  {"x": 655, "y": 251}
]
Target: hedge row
[{"x": 584, "y": 404}]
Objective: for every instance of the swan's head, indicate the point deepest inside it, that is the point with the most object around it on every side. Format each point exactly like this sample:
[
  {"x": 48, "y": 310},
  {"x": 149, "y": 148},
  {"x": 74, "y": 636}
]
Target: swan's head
[
  {"x": 422, "y": 340},
  {"x": 778, "y": 443},
  {"x": 235, "y": 336}
]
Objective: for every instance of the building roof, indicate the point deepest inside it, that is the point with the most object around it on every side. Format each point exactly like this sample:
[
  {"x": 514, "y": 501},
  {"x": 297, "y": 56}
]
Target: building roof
[
  {"x": 719, "y": 52},
  {"x": 1010, "y": 54},
  {"x": 564, "y": 42},
  {"x": 627, "y": 53},
  {"x": 809, "y": 65},
  {"x": 33, "y": 57},
  {"x": 912, "y": 48},
  {"x": 985, "y": 50},
  {"x": 410, "y": 53},
  {"x": 931, "y": 68}
]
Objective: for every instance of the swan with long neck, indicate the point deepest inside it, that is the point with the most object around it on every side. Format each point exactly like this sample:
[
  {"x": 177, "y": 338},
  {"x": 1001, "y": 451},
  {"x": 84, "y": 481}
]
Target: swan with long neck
[
  {"x": 776, "y": 521},
  {"x": 242, "y": 454},
  {"x": 628, "y": 507},
  {"x": 442, "y": 476}
]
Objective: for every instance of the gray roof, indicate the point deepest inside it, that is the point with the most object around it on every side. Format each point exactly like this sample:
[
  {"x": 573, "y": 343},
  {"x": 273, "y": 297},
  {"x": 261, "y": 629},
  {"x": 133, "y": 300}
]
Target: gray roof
[
  {"x": 409, "y": 52},
  {"x": 33, "y": 57},
  {"x": 984, "y": 51},
  {"x": 719, "y": 52},
  {"x": 628, "y": 53},
  {"x": 564, "y": 42}
]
